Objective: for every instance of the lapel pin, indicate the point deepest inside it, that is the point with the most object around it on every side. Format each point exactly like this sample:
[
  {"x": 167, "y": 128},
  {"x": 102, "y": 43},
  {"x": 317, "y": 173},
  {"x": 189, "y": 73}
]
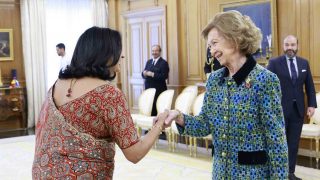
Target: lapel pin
[{"x": 248, "y": 83}]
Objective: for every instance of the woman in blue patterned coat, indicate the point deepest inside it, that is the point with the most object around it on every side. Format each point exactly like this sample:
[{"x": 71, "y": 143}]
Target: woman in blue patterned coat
[{"x": 242, "y": 105}]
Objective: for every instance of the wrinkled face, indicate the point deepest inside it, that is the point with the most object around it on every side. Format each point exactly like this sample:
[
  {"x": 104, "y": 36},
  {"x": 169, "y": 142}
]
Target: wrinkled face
[
  {"x": 290, "y": 46},
  {"x": 59, "y": 51},
  {"x": 155, "y": 52},
  {"x": 220, "y": 48}
]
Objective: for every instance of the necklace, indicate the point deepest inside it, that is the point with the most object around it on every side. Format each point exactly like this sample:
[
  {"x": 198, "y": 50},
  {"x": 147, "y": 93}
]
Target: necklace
[
  {"x": 210, "y": 62},
  {"x": 73, "y": 81}
]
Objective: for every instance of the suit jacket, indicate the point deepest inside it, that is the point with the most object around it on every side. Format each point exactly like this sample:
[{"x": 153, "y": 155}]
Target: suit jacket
[
  {"x": 161, "y": 71},
  {"x": 290, "y": 91}
]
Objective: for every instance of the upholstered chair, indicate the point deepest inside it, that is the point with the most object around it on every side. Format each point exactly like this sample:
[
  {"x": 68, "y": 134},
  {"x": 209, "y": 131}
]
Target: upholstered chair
[
  {"x": 196, "y": 108},
  {"x": 145, "y": 106},
  {"x": 312, "y": 130},
  {"x": 164, "y": 102},
  {"x": 183, "y": 103},
  {"x": 192, "y": 89}
]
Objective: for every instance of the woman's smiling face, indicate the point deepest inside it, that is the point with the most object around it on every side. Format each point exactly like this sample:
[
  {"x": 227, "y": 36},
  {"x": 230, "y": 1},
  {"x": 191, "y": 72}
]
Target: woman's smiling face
[{"x": 220, "y": 47}]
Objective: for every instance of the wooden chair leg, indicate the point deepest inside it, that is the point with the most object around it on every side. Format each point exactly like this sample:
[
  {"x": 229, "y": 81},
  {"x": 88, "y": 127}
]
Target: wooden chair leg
[
  {"x": 173, "y": 135},
  {"x": 207, "y": 144},
  {"x": 190, "y": 146},
  {"x": 311, "y": 150},
  {"x": 171, "y": 141},
  {"x": 168, "y": 139},
  {"x": 317, "y": 150},
  {"x": 139, "y": 130},
  {"x": 176, "y": 140},
  {"x": 186, "y": 140},
  {"x": 195, "y": 146}
]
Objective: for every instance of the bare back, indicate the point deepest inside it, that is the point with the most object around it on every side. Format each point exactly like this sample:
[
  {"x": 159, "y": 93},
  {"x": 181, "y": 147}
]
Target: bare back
[{"x": 79, "y": 87}]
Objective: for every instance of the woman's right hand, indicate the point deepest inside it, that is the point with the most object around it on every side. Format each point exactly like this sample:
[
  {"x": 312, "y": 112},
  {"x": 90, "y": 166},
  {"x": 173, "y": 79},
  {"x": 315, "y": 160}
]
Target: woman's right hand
[{"x": 161, "y": 119}]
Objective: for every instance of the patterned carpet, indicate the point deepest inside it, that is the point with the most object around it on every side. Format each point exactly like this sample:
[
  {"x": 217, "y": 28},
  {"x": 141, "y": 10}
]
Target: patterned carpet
[{"x": 17, "y": 154}]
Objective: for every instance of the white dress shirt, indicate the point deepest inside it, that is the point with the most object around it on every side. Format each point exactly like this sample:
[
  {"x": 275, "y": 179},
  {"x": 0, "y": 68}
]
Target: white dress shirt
[
  {"x": 154, "y": 62},
  {"x": 64, "y": 61}
]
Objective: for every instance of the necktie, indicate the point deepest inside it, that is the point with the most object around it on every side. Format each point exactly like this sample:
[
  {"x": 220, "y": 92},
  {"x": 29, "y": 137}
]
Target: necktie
[
  {"x": 154, "y": 62},
  {"x": 293, "y": 71}
]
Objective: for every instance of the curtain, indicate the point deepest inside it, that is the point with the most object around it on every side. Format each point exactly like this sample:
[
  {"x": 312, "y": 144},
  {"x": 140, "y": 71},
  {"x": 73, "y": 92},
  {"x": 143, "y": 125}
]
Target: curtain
[
  {"x": 66, "y": 20},
  {"x": 34, "y": 55},
  {"x": 45, "y": 23},
  {"x": 100, "y": 13}
]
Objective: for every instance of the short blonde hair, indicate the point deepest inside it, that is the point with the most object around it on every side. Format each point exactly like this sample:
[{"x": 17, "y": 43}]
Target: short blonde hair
[{"x": 236, "y": 28}]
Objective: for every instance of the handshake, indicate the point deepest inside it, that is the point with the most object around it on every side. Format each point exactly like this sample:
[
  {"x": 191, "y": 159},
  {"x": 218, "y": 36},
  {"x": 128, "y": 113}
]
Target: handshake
[{"x": 166, "y": 118}]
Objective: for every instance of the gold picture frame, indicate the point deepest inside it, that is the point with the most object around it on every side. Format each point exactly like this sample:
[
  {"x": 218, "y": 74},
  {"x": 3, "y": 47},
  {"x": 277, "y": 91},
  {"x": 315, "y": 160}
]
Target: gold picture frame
[
  {"x": 263, "y": 14},
  {"x": 6, "y": 45}
]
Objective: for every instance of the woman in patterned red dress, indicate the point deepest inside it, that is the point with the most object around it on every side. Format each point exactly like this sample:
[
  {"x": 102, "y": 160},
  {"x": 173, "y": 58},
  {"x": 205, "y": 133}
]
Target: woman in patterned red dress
[{"x": 84, "y": 116}]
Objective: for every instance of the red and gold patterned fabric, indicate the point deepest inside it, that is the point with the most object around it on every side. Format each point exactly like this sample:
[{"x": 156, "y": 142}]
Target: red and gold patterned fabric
[{"x": 77, "y": 140}]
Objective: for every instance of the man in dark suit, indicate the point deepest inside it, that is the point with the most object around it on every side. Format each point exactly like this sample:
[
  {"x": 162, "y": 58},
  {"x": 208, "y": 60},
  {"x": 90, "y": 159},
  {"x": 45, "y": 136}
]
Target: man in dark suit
[
  {"x": 155, "y": 74},
  {"x": 294, "y": 72}
]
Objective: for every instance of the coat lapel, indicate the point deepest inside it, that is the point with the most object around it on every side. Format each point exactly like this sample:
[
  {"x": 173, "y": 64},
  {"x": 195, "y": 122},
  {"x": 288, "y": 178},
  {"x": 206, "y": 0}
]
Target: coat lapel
[
  {"x": 149, "y": 64},
  {"x": 158, "y": 62},
  {"x": 284, "y": 64}
]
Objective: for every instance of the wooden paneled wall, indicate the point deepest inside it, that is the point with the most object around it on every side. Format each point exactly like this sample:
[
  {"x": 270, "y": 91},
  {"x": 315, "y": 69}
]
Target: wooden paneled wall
[
  {"x": 186, "y": 19},
  {"x": 11, "y": 19}
]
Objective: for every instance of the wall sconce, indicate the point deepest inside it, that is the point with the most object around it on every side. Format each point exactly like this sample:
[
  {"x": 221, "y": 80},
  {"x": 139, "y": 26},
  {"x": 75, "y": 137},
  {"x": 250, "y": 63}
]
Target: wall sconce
[{"x": 265, "y": 52}]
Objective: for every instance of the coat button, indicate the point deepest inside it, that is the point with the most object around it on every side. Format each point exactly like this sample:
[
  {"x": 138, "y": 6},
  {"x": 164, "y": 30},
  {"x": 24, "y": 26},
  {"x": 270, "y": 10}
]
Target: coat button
[
  {"x": 224, "y": 154},
  {"x": 224, "y": 136},
  {"x": 225, "y": 117}
]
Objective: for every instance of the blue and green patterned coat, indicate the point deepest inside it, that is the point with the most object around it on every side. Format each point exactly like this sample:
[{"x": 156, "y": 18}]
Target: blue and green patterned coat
[{"x": 244, "y": 116}]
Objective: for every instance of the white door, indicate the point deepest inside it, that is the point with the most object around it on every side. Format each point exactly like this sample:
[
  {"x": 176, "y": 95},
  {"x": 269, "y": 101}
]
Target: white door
[{"x": 143, "y": 30}]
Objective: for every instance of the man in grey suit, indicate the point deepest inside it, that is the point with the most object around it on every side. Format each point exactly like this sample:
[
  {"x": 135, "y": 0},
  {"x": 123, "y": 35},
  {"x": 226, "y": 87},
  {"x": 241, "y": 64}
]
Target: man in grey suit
[{"x": 294, "y": 72}]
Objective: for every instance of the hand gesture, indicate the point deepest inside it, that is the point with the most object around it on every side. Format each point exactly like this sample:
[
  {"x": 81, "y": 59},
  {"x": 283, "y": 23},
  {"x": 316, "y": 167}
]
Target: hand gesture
[
  {"x": 310, "y": 111},
  {"x": 145, "y": 73},
  {"x": 149, "y": 73}
]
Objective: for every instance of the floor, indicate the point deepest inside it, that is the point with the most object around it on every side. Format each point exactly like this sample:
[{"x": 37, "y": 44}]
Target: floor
[{"x": 157, "y": 165}]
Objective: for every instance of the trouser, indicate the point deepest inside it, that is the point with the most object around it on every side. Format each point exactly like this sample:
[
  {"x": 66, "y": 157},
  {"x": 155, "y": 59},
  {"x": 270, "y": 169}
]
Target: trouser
[
  {"x": 154, "y": 105},
  {"x": 293, "y": 127}
]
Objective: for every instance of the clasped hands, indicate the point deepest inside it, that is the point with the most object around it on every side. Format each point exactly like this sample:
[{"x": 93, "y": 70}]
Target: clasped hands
[
  {"x": 167, "y": 117},
  {"x": 148, "y": 73}
]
